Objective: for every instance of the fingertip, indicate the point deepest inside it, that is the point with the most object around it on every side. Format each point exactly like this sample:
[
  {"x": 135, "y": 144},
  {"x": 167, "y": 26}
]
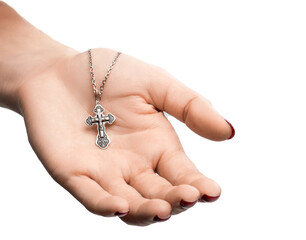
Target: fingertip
[
  {"x": 222, "y": 130},
  {"x": 121, "y": 214},
  {"x": 111, "y": 206},
  {"x": 213, "y": 194},
  {"x": 187, "y": 192},
  {"x": 232, "y": 134},
  {"x": 213, "y": 189},
  {"x": 207, "y": 198},
  {"x": 217, "y": 189},
  {"x": 209, "y": 123},
  {"x": 160, "y": 208},
  {"x": 159, "y": 219},
  {"x": 208, "y": 188},
  {"x": 121, "y": 205}
]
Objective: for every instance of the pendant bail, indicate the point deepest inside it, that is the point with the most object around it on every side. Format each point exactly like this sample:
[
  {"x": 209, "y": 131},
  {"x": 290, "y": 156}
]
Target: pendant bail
[{"x": 97, "y": 96}]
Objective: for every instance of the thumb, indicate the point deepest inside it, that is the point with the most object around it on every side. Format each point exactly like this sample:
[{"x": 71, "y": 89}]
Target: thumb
[{"x": 186, "y": 105}]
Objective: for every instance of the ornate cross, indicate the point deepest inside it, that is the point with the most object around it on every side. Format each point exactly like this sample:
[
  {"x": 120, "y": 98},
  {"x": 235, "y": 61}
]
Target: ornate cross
[{"x": 102, "y": 139}]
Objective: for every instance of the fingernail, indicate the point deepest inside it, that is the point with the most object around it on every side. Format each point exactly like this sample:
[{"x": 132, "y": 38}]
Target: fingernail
[
  {"x": 121, "y": 214},
  {"x": 206, "y": 198},
  {"x": 185, "y": 204},
  {"x": 233, "y": 129},
  {"x": 157, "y": 219}
]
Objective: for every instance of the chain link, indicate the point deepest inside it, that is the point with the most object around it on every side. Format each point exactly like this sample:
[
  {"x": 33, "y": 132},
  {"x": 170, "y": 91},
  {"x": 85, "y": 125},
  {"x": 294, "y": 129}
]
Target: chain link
[{"x": 98, "y": 94}]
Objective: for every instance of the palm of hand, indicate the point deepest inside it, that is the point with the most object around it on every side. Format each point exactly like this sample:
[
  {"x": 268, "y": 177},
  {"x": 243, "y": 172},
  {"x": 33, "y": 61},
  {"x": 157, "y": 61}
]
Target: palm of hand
[{"x": 123, "y": 177}]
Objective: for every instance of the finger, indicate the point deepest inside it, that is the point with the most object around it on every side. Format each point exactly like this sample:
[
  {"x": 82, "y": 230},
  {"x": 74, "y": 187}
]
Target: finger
[
  {"x": 178, "y": 169},
  {"x": 189, "y": 107},
  {"x": 95, "y": 198},
  {"x": 151, "y": 186},
  {"x": 143, "y": 211}
]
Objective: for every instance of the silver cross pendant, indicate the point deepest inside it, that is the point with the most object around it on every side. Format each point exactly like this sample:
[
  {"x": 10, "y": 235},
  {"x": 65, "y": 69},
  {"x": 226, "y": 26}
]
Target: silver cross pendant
[{"x": 102, "y": 139}]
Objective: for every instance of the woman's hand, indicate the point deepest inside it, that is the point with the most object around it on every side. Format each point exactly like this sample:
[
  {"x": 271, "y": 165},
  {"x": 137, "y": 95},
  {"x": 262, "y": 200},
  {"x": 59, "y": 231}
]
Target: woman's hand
[{"x": 144, "y": 175}]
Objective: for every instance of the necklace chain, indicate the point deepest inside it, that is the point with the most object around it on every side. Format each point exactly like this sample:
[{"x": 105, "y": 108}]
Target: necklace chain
[{"x": 98, "y": 93}]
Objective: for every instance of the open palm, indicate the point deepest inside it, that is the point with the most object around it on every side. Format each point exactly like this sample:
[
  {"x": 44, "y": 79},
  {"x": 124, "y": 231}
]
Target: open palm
[{"x": 144, "y": 175}]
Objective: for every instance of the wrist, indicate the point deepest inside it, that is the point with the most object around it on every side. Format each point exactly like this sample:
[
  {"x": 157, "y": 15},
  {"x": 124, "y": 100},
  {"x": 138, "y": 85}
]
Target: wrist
[
  {"x": 17, "y": 72},
  {"x": 26, "y": 53},
  {"x": 8, "y": 96}
]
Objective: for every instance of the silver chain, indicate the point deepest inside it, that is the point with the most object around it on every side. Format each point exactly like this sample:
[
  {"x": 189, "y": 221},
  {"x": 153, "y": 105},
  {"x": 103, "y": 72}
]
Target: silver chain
[{"x": 98, "y": 94}]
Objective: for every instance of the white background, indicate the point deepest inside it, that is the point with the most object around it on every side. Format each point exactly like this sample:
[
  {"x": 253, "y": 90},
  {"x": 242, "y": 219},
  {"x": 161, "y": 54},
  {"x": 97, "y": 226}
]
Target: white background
[{"x": 247, "y": 57}]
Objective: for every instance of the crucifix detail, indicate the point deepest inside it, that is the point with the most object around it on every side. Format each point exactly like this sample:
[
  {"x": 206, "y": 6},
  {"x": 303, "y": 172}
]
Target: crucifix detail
[{"x": 102, "y": 139}]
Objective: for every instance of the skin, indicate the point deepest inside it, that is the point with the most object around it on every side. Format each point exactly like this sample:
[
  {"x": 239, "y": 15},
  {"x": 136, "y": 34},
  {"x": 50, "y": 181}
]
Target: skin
[{"x": 144, "y": 171}]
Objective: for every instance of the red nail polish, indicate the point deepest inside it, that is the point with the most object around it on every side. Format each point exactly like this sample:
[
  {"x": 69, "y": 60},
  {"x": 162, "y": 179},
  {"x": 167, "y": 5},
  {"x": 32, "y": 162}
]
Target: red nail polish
[
  {"x": 119, "y": 214},
  {"x": 185, "y": 204},
  {"x": 233, "y": 129},
  {"x": 206, "y": 198},
  {"x": 157, "y": 219}
]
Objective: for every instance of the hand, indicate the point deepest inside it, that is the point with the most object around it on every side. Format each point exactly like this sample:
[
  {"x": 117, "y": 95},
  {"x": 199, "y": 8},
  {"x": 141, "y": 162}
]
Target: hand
[{"x": 144, "y": 172}]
